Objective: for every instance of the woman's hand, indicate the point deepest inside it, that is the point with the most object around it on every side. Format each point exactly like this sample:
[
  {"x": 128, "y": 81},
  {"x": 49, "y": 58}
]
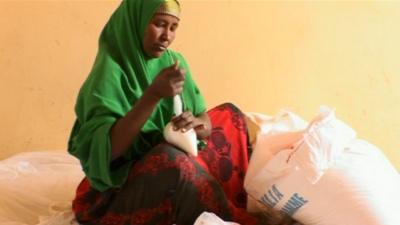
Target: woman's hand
[
  {"x": 187, "y": 121},
  {"x": 169, "y": 82}
]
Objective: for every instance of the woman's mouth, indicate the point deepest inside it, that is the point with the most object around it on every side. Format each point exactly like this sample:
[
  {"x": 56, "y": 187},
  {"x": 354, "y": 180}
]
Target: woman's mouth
[{"x": 160, "y": 48}]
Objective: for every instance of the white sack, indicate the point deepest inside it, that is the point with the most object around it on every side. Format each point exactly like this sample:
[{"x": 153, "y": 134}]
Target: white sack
[{"x": 330, "y": 178}]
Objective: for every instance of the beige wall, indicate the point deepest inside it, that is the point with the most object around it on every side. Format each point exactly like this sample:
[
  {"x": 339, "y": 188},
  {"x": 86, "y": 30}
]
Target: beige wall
[{"x": 261, "y": 55}]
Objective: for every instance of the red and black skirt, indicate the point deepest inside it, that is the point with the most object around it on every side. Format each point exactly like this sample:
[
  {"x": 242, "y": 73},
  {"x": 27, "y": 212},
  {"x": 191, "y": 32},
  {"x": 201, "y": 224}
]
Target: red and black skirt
[{"x": 169, "y": 187}]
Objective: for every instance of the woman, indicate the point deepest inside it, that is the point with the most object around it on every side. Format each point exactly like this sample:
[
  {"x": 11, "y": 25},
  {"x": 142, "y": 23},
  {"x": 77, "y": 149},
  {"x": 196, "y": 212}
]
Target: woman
[{"x": 132, "y": 175}]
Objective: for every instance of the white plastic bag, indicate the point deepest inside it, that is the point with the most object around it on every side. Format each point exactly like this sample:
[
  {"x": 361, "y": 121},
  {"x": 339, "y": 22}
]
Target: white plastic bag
[
  {"x": 207, "y": 218},
  {"x": 36, "y": 186}
]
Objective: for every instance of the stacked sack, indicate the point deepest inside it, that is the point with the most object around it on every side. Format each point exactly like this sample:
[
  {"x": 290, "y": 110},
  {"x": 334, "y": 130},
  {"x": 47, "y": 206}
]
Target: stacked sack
[{"x": 320, "y": 173}]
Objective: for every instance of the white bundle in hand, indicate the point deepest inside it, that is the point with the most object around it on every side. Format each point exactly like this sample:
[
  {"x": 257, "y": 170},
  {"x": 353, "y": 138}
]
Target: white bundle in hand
[{"x": 186, "y": 141}]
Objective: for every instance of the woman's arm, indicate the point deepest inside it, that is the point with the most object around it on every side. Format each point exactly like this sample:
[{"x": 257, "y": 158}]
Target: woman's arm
[
  {"x": 167, "y": 84},
  {"x": 128, "y": 127}
]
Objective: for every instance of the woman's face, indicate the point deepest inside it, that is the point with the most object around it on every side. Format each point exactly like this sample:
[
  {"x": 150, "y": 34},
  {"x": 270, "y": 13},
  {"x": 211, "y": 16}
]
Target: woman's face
[{"x": 159, "y": 34}]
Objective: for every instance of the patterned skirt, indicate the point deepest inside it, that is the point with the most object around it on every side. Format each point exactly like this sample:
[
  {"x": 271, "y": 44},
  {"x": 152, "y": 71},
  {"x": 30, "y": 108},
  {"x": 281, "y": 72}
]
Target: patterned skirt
[{"x": 169, "y": 187}]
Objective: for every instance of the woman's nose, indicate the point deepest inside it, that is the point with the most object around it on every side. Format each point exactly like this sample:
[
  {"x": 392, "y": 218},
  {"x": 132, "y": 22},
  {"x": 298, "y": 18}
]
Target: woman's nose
[{"x": 167, "y": 35}]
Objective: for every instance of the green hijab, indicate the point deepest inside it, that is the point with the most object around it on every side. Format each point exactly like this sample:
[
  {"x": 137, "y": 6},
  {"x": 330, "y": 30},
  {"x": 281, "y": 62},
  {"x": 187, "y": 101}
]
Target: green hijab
[{"x": 120, "y": 74}]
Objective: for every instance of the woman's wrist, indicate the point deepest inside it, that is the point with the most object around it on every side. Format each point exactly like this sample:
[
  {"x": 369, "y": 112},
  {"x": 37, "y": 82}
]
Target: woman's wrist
[{"x": 151, "y": 95}]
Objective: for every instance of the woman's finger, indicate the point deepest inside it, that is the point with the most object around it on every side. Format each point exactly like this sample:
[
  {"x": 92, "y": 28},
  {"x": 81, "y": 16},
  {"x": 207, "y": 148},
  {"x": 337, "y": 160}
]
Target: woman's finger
[
  {"x": 181, "y": 122},
  {"x": 176, "y": 76},
  {"x": 178, "y": 84},
  {"x": 187, "y": 126},
  {"x": 178, "y": 91},
  {"x": 176, "y": 65},
  {"x": 200, "y": 127}
]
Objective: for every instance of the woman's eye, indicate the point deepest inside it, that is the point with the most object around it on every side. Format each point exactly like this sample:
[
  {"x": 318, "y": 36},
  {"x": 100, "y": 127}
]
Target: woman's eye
[
  {"x": 159, "y": 24},
  {"x": 173, "y": 28}
]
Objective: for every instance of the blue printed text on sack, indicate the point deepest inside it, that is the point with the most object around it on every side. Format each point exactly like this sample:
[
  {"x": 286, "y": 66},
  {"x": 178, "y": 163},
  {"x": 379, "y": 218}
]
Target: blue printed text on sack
[{"x": 273, "y": 196}]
